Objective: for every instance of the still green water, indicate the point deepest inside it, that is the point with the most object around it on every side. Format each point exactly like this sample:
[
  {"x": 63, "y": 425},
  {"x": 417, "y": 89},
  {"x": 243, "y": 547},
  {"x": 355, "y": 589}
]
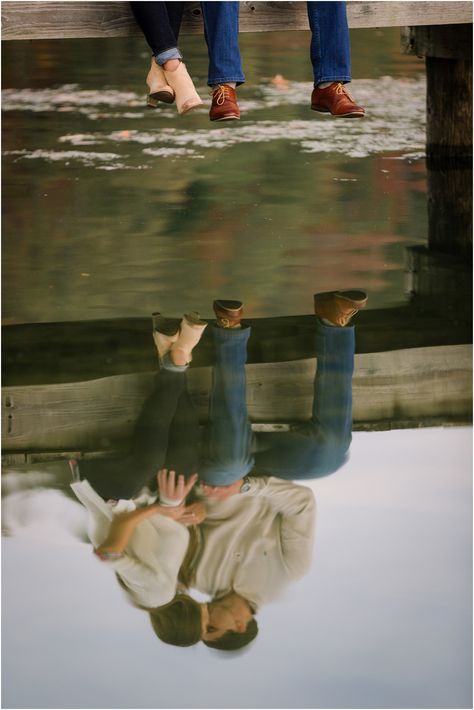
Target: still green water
[{"x": 112, "y": 209}]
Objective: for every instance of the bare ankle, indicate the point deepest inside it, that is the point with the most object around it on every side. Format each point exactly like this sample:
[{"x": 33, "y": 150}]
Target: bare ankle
[
  {"x": 171, "y": 64},
  {"x": 179, "y": 357}
]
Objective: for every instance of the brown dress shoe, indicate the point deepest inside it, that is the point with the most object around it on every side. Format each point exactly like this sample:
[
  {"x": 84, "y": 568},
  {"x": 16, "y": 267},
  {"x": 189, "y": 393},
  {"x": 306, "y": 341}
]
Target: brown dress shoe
[
  {"x": 336, "y": 100},
  {"x": 228, "y": 313},
  {"x": 224, "y": 105},
  {"x": 338, "y": 307}
]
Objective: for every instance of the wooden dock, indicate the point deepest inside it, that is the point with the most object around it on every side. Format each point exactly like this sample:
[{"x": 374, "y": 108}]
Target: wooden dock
[{"x": 60, "y": 20}]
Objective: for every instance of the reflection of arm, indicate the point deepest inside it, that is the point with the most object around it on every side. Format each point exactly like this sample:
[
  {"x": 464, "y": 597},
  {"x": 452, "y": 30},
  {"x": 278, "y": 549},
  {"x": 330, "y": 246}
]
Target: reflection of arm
[{"x": 297, "y": 508}]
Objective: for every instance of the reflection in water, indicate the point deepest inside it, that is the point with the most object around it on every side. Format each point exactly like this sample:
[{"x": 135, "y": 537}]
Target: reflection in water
[{"x": 256, "y": 533}]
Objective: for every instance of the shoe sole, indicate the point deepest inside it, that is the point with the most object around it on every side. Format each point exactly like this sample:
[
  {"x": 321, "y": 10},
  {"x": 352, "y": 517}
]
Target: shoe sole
[
  {"x": 353, "y": 114},
  {"x": 226, "y": 118},
  {"x": 165, "y": 326},
  {"x": 356, "y": 296},
  {"x": 154, "y": 100}
]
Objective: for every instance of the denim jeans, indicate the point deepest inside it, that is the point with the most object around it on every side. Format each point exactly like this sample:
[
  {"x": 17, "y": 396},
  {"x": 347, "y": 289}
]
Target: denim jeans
[
  {"x": 166, "y": 435},
  {"x": 160, "y": 22},
  {"x": 330, "y": 46},
  {"x": 319, "y": 448},
  {"x": 229, "y": 437},
  {"x": 221, "y": 31}
]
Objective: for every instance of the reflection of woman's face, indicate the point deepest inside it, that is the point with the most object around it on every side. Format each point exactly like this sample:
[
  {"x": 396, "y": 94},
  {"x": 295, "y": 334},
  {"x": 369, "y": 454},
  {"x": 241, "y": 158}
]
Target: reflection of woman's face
[{"x": 231, "y": 613}]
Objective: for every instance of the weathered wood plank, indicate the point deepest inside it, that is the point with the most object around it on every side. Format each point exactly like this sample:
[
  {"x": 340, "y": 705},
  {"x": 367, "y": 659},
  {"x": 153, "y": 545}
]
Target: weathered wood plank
[
  {"x": 61, "y": 20},
  {"x": 99, "y": 414},
  {"x": 446, "y": 42}
]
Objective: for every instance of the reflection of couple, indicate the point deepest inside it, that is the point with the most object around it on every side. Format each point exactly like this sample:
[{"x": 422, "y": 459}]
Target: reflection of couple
[{"x": 255, "y": 532}]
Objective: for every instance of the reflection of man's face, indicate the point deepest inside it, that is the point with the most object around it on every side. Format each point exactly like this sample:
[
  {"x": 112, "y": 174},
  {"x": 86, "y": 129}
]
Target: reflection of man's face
[{"x": 231, "y": 613}]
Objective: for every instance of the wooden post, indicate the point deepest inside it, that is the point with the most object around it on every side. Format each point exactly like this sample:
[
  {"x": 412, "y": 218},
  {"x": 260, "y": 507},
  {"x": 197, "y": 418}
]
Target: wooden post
[{"x": 448, "y": 52}]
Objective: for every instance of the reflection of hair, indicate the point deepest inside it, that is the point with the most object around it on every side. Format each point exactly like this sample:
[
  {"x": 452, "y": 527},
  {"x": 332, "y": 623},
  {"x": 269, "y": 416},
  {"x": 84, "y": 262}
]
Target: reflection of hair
[
  {"x": 232, "y": 640},
  {"x": 178, "y": 622}
]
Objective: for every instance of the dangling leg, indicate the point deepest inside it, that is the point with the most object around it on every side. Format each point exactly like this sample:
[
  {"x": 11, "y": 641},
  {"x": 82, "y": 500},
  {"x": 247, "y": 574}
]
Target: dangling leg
[
  {"x": 229, "y": 454},
  {"x": 221, "y": 31},
  {"x": 331, "y": 60}
]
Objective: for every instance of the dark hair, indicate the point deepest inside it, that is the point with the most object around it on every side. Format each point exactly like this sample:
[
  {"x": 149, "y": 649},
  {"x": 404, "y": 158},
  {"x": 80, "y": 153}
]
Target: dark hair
[
  {"x": 178, "y": 622},
  {"x": 231, "y": 640}
]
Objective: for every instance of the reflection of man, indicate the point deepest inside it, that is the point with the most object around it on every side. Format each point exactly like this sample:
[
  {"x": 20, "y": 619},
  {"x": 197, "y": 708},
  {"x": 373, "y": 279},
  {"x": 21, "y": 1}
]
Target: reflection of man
[
  {"x": 253, "y": 545},
  {"x": 318, "y": 448}
]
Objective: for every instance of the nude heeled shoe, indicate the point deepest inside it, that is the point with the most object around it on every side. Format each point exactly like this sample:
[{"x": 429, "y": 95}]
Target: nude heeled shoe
[
  {"x": 159, "y": 90},
  {"x": 165, "y": 333},
  {"x": 190, "y": 332},
  {"x": 186, "y": 95}
]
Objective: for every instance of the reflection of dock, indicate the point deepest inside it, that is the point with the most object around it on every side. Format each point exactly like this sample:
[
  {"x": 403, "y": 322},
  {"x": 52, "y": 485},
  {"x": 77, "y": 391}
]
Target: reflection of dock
[{"x": 79, "y": 386}]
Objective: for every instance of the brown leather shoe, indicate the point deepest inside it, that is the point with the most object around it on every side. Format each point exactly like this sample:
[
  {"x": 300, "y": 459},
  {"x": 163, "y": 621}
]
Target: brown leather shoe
[
  {"x": 336, "y": 100},
  {"x": 228, "y": 313},
  {"x": 224, "y": 105},
  {"x": 338, "y": 307}
]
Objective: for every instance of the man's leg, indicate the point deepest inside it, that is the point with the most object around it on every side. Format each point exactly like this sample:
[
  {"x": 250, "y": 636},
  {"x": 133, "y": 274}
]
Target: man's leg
[
  {"x": 331, "y": 59},
  {"x": 221, "y": 30},
  {"x": 229, "y": 454},
  {"x": 330, "y": 45}
]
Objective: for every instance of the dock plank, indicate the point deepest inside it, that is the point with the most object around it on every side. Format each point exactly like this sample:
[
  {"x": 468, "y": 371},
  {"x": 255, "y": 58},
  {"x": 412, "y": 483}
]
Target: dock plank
[{"x": 61, "y": 20}]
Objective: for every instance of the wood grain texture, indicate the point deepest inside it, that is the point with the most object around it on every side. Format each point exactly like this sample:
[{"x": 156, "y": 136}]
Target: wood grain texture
[
  {"x": 99, "y": 414},
  {"x": 61, "y": 20}
]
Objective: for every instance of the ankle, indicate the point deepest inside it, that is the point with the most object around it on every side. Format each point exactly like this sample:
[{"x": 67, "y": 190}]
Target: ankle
[
  {"x": 171, "y": 65},
  {"x": 178, "y": 357},
  {"x": 325, "y": 84}
]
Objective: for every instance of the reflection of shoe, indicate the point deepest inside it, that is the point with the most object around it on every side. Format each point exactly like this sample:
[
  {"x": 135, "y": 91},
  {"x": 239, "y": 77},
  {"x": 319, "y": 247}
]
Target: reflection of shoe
[
  {"x": 190, "y": 332},
  {"x": 338, "y": 307},
  {"x": 228, "y": 313},
  {"x": 186, "y": 95},
  {"x": 159, "y": 90},
  {"x": 336, "y": 99},
  {"x": 224, "y": 105},
  {"x": 165, "y": 333}
]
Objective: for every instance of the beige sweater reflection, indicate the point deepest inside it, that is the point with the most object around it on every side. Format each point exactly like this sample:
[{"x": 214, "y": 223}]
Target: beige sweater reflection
[{"x": 254, "y": 543}]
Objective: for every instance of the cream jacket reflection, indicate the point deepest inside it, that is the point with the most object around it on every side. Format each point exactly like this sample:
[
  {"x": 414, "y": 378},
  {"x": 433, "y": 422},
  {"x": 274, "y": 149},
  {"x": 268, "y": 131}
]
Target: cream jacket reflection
[
  {"x": 257, "y": 542},
  {"x": 254, "y": 543},
  {"x": 154, "y": 554}
]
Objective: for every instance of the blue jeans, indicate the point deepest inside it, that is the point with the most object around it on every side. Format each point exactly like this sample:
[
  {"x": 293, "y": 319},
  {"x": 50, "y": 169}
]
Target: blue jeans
[
  {"x": 330, "y": 46},
  {"x": 319, "y": 448},
  {"x": 221, "y": 31}
]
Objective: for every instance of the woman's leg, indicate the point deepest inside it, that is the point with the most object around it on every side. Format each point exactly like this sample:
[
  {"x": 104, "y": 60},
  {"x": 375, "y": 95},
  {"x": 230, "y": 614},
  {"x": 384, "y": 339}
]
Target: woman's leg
[
  {"x": 124, "y": 477},
  {"x": 160, "y": 22},
  {"x": 229, "y": 441},
  {"x": 330, "y": 45},
  {"x": 322, "y": 446}
]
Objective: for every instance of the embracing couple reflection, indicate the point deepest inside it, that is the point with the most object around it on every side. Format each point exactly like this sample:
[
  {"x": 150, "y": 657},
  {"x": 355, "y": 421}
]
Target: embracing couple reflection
[{"x": 222, "y": 516}]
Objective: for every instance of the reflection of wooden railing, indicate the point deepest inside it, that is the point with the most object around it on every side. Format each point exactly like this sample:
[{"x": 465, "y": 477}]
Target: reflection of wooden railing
[
  {"x": 43, "y": 20},
  {"x": 79, "y": 386}
]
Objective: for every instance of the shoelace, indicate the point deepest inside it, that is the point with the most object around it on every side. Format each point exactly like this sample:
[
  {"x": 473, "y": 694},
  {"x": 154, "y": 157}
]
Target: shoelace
[
  {"x": 221, "y": 93},
  {"x": 341, "y": 89}
]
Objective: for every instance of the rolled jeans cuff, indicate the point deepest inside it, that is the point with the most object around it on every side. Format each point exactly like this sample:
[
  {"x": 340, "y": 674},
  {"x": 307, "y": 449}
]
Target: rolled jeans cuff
[
  {"x": 238, "y": 80},
  {"x": 172, "y": 53},
  {"x": 344, "y": 79}
]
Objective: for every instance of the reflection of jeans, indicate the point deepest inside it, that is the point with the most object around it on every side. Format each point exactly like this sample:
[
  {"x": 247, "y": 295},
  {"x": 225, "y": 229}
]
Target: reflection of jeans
[
  {"x": 319, "y": 449},
  {"x": 166, "y": 435},
  {"x": 330, "y": 46},
  {"x": 160, "y": 22},
  {"x": 229, "y": 436}
]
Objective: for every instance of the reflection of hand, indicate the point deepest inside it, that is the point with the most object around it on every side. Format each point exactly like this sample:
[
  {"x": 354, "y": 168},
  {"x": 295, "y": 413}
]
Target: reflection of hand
[
  {"x": 192, "y": 514},
  {"x": 222, "y": 492},
  {"x": 173, "y": 492}
]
